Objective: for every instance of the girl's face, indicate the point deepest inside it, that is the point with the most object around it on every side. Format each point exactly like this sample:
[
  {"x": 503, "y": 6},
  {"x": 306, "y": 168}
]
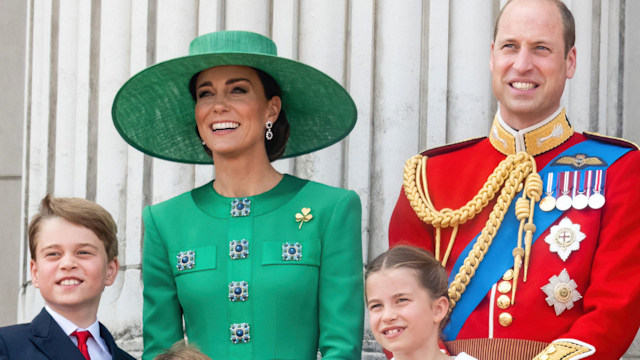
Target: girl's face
[
  {"x": 403, "y": 316},
  {"x": 232, "y": 111}
]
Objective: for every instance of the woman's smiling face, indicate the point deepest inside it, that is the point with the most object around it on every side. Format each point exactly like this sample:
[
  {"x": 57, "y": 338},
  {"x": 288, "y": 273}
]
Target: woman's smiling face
[
  {"x": 232, "y": 111},
  {"x": 403, "y": 316}
]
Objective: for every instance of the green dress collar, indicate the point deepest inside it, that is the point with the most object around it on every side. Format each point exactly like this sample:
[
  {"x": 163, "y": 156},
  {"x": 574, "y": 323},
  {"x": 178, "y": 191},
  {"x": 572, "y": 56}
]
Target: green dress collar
[{"x": 216, "y": 205}]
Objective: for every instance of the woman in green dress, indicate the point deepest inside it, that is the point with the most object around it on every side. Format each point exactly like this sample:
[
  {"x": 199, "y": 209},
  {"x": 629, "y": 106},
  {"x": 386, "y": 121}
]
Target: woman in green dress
[{"x": 261, "y": 265}]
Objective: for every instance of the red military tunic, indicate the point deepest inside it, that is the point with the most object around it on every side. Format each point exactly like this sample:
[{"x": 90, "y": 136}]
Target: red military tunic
[{"x": 606, "y": 267}]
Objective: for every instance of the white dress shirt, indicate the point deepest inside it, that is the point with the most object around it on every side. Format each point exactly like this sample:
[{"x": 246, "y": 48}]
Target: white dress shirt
[{"x": 98, "y": 349}]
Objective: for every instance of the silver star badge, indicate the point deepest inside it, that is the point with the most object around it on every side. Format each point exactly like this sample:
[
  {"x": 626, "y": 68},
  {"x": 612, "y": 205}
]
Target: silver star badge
[
  {"x": 564, "y": 238},
  {"x": 561, "y": 292}
]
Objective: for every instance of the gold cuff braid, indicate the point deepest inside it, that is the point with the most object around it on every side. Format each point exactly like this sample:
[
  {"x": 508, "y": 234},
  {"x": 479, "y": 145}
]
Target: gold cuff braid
[{"x": 562, "y": 350}]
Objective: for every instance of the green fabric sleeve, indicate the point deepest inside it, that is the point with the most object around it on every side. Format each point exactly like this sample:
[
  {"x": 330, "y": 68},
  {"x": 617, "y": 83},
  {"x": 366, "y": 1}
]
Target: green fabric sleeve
[
  {"x": 162, "y": 313},
  {"x": 341, "y": 304}
]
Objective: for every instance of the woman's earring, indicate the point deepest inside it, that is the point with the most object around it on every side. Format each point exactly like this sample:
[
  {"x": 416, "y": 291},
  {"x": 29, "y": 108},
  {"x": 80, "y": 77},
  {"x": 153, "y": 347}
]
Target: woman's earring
[
  {"x": 269, "y": 134},
  {"x": 203, "y": 143}
]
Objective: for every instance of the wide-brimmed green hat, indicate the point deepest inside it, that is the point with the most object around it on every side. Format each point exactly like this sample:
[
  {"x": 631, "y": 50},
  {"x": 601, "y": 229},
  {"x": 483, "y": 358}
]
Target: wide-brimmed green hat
[{"x": 154, "y": 110}]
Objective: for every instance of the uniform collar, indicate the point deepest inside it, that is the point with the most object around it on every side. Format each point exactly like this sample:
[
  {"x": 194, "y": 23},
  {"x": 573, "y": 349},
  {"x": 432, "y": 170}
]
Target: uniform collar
[{"x": 536, "y": 139}]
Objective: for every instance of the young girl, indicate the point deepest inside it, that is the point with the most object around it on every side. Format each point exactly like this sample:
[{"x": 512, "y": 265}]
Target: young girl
[{"x": 406, "y": 294}]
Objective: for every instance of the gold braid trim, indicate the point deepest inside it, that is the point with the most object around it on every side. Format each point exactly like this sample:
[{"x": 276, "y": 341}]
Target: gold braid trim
[
  {"x": 565, "y": 350},
  {"x": 511, "y": 172}
]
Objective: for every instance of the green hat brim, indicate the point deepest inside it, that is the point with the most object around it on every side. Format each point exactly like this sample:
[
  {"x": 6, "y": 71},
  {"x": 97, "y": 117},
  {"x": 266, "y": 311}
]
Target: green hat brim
[{"x": 154, "y": 110}]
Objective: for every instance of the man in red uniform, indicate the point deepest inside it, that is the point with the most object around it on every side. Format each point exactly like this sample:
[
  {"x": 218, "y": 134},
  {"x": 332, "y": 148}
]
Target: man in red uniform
[{"x": 552, "y": 271}]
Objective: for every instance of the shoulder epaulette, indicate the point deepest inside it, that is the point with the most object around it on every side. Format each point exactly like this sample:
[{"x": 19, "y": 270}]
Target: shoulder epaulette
[
  {"x": 452, "y": 147},
  {"x": 612, "y": 140}
]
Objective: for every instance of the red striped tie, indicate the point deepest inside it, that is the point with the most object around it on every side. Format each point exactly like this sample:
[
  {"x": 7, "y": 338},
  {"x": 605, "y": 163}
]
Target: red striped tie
[{"x": 82, "y": 337}]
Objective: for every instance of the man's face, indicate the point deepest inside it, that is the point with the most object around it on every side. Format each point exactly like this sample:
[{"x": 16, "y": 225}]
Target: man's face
[{"x": 528, "y": 63}]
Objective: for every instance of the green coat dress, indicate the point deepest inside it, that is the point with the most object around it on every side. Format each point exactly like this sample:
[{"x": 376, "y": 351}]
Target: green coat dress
[{"x": 279, "y": 278}]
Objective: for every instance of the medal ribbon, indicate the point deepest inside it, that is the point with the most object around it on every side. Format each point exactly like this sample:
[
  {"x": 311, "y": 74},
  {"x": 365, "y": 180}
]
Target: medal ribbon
[
  {"x": 549, "y": 184},
  {"x": 581, "y": 179},
  {"x": 588, "y": 180},
  {"x": 566, "y": 179},
  {"x": 598, "y": 184}
]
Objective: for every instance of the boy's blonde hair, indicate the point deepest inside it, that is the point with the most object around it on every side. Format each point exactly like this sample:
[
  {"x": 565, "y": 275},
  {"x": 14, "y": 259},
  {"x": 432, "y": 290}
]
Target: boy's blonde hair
[
  {"x": 80, "y": 212},
  {"x": 181, "y": 351}
]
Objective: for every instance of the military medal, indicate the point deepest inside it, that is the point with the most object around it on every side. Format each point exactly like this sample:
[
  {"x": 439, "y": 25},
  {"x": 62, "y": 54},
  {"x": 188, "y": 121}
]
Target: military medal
[
  {"x": 548, "y": 203},
  {"x": 596, "y": 200},
  {"x": 561, "y": 292},
  {"x": 565, "y": 238},
  {"x": 564, "y": 201},
  {"x": 580, "y": 200}
]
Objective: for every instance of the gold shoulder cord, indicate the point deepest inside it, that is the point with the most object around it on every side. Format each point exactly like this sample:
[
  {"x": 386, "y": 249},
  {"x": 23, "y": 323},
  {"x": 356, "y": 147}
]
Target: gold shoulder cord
[{"x": 514, "y": 172}]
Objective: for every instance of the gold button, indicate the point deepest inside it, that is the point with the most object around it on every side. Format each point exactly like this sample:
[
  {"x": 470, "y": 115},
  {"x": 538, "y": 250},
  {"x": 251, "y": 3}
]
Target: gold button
[
  {"x": 503, "y": 301},
  {"x": 504, "y": 287},
  {"x": 508, "y": 275},
  {"x": 505, "y": 319},
  {"x": 551, "y": 349}
]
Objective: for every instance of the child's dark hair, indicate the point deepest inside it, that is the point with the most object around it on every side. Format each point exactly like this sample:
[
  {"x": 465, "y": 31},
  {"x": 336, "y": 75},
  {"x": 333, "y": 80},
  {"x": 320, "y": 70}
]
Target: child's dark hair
[{"x": 430, "y": 274}]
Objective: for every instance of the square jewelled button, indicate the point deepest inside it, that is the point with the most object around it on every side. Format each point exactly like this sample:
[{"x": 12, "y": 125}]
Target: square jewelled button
[
  {"x": 240, "y": 333},
  {"x": 238, "y": 249},
  {"x": 291, "y": 251},
  {"x": 240, "y": 207},
  {"x": 238, "y": 291},
  {"x": 186, "y": 260}
]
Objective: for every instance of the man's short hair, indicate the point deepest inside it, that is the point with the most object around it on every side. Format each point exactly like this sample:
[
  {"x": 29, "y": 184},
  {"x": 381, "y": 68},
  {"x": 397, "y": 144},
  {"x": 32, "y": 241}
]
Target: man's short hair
[
  {"x": 80, "y": 212},
  {"x": 568, "y": 24}
]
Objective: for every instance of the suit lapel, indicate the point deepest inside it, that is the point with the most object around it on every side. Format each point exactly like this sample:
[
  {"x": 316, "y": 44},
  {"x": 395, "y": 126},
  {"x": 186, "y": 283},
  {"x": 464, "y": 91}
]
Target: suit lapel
[
  {"x": 108, "y": 339},
  {"x": 116, "y": 352},
  {"x": 47, "y": 336}
]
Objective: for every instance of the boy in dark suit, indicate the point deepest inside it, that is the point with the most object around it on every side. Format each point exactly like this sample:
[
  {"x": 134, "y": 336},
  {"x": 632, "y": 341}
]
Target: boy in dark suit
[{"x": 74, "y": 252}]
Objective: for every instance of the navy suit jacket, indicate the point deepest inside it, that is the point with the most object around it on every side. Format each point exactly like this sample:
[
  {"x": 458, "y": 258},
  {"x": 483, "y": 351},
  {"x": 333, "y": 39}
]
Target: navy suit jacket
[{"x": 43, "y": 339}]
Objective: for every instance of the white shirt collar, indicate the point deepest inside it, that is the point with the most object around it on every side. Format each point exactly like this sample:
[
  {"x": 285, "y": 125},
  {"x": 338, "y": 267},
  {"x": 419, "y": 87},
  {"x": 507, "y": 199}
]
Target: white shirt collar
[{"x": 68, "y": 327}]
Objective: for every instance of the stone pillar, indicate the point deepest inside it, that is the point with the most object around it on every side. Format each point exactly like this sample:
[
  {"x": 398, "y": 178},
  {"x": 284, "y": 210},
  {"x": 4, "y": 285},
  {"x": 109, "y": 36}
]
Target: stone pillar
[{"x": 13, "y": 16}]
